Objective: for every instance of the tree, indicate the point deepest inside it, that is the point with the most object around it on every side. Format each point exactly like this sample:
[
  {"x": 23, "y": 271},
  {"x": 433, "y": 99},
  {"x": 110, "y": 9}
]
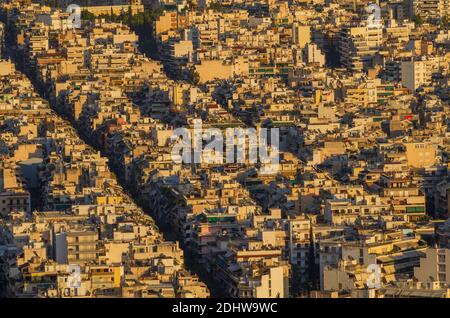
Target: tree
[
  {"x": 445, "y": 23},
  {"x": 50, "y": 3}
]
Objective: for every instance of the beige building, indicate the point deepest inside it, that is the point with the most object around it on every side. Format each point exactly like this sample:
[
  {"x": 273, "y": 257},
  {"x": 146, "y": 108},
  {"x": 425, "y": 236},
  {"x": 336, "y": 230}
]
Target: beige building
[
  {"x": 312, "y": 54},
  {"x": 81, "y": 247},
  {"x": 273, "y": 284},
  {"x": 301, "y": 35},
  {"x": 358, "y": 46},
  {"x": 134, "y": 5},
  {"x": 427, "y": 9},
  {"x": 6, "y": 68},
  {"x": 14, "y": 201}
]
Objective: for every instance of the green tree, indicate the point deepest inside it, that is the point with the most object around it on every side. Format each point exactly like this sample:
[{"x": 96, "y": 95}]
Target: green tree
[
  {"x": 87, "y": 16},
  {"x": 194, "y": 77}
]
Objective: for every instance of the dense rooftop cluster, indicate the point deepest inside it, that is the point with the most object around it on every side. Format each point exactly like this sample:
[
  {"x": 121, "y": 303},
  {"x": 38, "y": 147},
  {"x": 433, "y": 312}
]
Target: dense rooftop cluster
[{"x": 85, "y": 217}]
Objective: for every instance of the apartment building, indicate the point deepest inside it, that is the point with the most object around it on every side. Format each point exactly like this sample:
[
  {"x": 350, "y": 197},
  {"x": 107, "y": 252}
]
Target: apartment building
[{"x": 434, "y": 267}]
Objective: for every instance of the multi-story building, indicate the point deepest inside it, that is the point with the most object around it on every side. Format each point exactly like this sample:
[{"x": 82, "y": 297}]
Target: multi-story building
[
  {"x": 428, "y": 9},
  {"x": 415, "y": 73}
]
